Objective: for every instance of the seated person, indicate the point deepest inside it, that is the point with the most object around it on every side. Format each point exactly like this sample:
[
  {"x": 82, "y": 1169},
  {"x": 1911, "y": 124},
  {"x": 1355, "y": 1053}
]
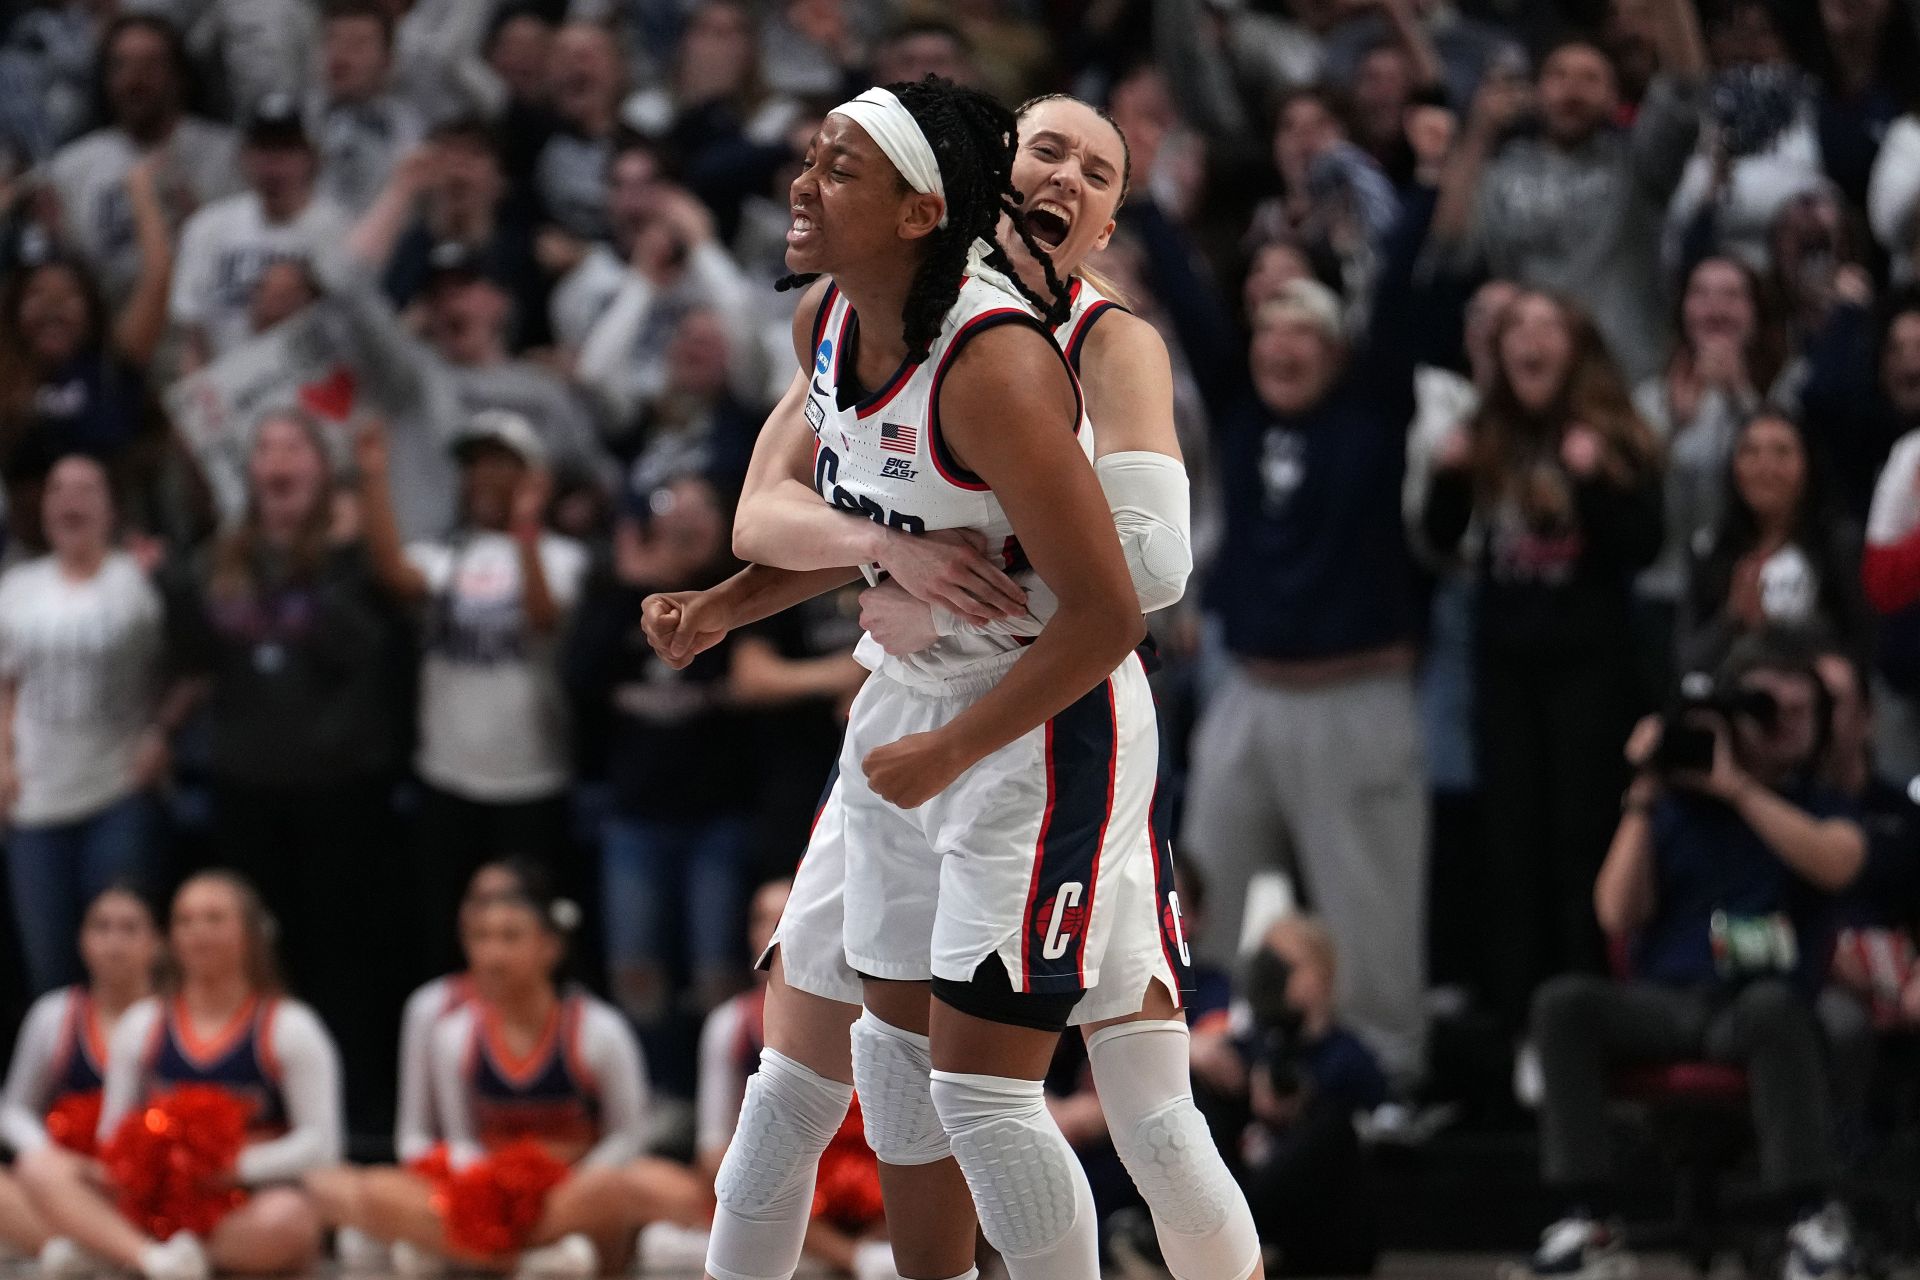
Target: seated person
[{"x": 1718, "y": 881}]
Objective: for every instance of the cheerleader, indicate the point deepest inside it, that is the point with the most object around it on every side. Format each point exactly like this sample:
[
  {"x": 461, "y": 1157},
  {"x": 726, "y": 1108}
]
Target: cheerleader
[
  {"x": 416, "y": 1127},
  {"x": 220, "y": 1021},
  {"x": 52, "y": 1095},
  {"x": 547, "y": 1080}
]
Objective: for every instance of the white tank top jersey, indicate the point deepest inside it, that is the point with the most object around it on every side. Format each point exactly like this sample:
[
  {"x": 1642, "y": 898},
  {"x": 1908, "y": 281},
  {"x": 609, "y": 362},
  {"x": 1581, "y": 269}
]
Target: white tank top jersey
[{"x": 880, "y": 454}]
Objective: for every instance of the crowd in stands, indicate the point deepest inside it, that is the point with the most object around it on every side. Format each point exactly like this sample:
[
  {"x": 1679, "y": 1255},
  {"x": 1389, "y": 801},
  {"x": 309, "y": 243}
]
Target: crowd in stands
[{"x": 1549, "y": 378}]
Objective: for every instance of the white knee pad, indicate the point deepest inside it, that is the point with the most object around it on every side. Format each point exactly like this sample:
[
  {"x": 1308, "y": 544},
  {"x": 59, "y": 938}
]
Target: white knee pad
[
  {"x": 1200, "y": 1215},
  {"x": 764, "y": 1192},
  {"x": 890, "y": 1071},
  {"x": 1033, "y": 1199}
]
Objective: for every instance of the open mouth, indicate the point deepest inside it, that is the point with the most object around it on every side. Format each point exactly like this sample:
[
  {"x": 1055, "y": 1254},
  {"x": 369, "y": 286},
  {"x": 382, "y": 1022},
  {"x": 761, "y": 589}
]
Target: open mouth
[{"x": 1049, "y": 224}]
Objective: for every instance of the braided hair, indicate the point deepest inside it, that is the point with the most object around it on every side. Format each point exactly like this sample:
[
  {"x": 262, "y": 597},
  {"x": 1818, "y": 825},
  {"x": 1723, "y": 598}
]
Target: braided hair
[{"x": 972, "y": 137}]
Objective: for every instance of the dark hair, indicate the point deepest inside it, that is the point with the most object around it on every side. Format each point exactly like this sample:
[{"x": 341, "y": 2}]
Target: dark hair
[
  {"x": 134, "y": 891},
  {"x": 1126, "y": 149},
  {"x": 342, "y": 10},
  {"x": 530, "y": 879},
  {"x": 1815, "y": 531},
  {"x": 1576, "y": 40},
  {"x": 1766, "y": 351},
  {"x": 18, "y": 379},
  {"x": 913, "y": 27},
  {"x": 1787, "y": 651},
  {"x": 184, "y": 75},
  {"x": 508, "y": 14},
  {"x": 236, "y": 556},
  {"x": 972, "y": 137},
  {"x": 470, "y": 130},
  {"x": 534, "y": 891},
  {"x": 627, "y": 140}
]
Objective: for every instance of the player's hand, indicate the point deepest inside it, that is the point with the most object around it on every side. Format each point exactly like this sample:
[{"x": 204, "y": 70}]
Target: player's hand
[
  {"x": 950, "y": 568},
  {"x": 896, "y": 620},
  {"x": 681, "y": 625},
  {"x": 912, "y": 771}
]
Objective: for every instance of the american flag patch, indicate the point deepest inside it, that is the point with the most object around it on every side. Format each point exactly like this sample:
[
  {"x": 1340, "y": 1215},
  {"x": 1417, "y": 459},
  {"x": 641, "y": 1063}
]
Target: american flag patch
[{"x": 896, "y": 437}]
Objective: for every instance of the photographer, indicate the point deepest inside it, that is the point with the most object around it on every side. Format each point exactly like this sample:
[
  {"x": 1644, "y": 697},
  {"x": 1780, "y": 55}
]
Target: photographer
[
  {"x": 1301, "y": 1078},
  {"x": 1719, "y": 879}
]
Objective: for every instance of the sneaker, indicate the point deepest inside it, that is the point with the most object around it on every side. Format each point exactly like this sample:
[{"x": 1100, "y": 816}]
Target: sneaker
[
  {"x": 571, "y": 1257},
  {"x": 1582, "y": 1249},
  {"x": 180, "y": 1258},
  {"x": 62, "y": 1259},
  {"x": 1820, "y": 1247},
  {"x": 415, "y": 1263}
]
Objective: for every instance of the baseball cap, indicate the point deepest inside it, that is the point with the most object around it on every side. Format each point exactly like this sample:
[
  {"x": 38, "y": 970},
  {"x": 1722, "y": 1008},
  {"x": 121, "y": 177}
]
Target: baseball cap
[
  {"x": 504, "y": 427},
  {"x": 276, "y": 121}
]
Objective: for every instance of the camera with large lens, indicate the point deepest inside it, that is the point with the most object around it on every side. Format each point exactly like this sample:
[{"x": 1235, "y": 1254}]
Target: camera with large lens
[
  {"x": 1279, "y": 1028},
  {"x": 1689, "y": 731}
]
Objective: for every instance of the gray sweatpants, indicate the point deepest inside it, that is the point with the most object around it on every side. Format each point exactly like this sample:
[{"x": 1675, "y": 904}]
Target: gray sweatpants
[
  {"x": 1328, "y": 784},
  {"x": 1584, "y": 1025}
]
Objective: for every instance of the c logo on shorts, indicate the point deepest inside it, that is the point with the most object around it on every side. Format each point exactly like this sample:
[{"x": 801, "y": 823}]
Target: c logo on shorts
[
  {"x": 1170, "y": 925},
  {"x": 1064, "y": 916}
]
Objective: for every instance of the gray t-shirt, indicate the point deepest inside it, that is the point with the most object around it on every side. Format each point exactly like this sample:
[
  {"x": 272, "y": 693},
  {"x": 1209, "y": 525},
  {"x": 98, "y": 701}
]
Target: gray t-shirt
[{"x": 90, "y": 178}]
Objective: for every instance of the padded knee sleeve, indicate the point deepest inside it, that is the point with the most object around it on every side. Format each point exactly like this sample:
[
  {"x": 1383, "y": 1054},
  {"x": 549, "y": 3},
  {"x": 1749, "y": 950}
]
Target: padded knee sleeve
[
  {"x": 764, "y": 1192},
  {"x": 1200, "y": 1215},
  {"x": 1033, "y": 1199},
  {"x": 890, "y": 1071}
]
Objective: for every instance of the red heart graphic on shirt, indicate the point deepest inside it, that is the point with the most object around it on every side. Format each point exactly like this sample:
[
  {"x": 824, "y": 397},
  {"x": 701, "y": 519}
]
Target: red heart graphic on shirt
[{"x": 332, "y": 396}]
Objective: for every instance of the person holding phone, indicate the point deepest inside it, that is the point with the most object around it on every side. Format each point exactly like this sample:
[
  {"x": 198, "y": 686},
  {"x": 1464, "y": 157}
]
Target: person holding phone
[{"x": 1717, "y": 883}]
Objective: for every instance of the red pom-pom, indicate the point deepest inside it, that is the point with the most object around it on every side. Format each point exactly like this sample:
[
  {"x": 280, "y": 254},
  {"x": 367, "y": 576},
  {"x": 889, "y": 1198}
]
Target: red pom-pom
[
  {"x": 846, "y": 1192},
  {"x": 171, "y": 1161},
  {"x": 493, "y": 1205},
  {"x": 74, "y": 1122},
  {"x": 433, "y": 1166}
]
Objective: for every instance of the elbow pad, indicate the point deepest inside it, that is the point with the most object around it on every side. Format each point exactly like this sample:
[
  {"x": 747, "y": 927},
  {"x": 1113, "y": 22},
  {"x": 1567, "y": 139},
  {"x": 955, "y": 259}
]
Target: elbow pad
[{"x": 1148, "y": 493}]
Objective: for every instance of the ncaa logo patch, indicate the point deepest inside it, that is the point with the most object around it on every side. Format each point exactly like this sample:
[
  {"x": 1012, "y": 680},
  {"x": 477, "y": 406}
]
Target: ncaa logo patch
[{"x": 823, "y": 358}]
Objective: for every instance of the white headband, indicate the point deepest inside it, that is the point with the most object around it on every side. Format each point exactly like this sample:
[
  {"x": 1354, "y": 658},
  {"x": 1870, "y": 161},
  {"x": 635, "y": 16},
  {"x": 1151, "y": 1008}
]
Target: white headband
[{"x": 895, "y": 131}]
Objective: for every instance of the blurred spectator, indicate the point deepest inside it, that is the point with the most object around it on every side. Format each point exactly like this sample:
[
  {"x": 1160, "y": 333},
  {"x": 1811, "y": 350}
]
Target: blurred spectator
[
  {"x": 1759, "y": 148},
  {"x": 1716, "y": 884},
  {"x": 1563, "y": 479},
  {"x": 453, "y": 191},
  {"x": 1578, "y": 208},
  {"x": 1306, "y": 1076},
  {"x": 80, "y": 747},
  {"x": 619, "y": 307},
  {"x": 47, "y": 60},
  {"x": 226, "y": 245},
  {"x": 926, "y": 47},
  {"x": 72, "y": 379},
  {"x": 364, "y": 128},
  {"x": 438, "y": 62},
  {"x": 1862, "y": 389},
  {"x": 519, "y": 50},
  {"x": 1338, "y": 203},
  {"x": 1862, "y": 53},
  {"x": 694, "y": 423},
  {"x": 716, "y": 114},
  {"x": 1319, "y": 700},
  {"x": 145, "y": 86},
  {"x": 674, "y": 851},
  {"x": 817, "y": 47},
  {"x": 571, "y": 171},
  {"x": 1225, "y": 63},
  {"x": 249, "y": 49},
  {"x": 298, "y": 656},
  {"x": 1729, "y": 357},
  {"x": 1466, "y": 48},
  {"x": 999, "y": 48},
  {"x": 1780, "y": 557},
  {"x": 1890, "y": 568},
  {"x": 1894, "y": 195},
  {"x": 1816, "y": 248},
  {"x": 494, "y": 597}
]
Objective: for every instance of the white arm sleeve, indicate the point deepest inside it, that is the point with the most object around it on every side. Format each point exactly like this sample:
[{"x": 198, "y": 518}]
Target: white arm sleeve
[
  {"x": 310, "y": 1083},
  {"x": 608, "y": 1049},
  {"x": 721, "y": 1088},
  {"x": 121, "y": 1091},
  {"x": 450, "y": 1037},
  {"x": 1894, "y": 189},
  {"x": 414, "y": 1127},
  {"x": 605, "y": 366},
  {"x": 1152, "y": 507},
  {"x": 29, "y": 1088}
]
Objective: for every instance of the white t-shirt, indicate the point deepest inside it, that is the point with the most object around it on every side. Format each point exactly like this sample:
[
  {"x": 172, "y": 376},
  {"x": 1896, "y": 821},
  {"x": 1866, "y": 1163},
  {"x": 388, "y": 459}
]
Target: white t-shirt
[
  {"x": 85, "y": 656},
  {"x": 416, "y": 1124},
  {"x": 493, "y": 720},
  {"x": 90, "y": 177},
  {"x": 225, "y": 248}
]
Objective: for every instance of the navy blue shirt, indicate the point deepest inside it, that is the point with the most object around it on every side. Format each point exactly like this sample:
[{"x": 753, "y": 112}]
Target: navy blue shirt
[
  {"x": 1706, "y": 860},
  {"x": 1315, "y": 563},
  {"x": 1886, "y": 893}
]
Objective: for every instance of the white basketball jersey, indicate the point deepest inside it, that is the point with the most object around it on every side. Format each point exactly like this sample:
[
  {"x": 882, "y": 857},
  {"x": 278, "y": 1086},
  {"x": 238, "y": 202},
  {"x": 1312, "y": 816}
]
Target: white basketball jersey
[{"x": 881, "y": 455}]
